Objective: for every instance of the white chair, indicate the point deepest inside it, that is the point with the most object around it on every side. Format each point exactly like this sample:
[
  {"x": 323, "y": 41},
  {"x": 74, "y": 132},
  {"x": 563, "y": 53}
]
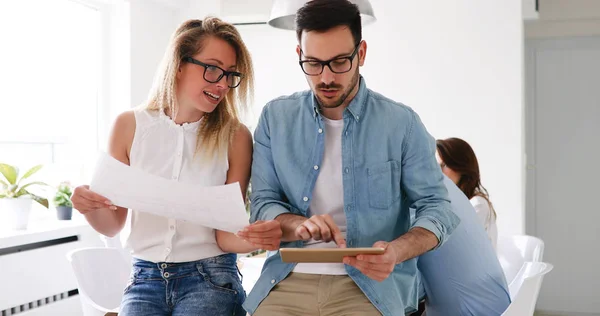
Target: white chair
[
  {"x": 514, "y": 251},
  {"x": 250, "y": 268},
  {"x": 112, "y": 242},
  {"x": 102, "y": 274},
  {"x": 115, "y": 242},
  {"x": 526, "y": 288}
]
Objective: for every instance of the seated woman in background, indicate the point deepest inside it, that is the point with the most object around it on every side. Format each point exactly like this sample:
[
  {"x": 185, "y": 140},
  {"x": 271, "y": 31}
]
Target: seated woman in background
[{"x": 458, "y": 161}]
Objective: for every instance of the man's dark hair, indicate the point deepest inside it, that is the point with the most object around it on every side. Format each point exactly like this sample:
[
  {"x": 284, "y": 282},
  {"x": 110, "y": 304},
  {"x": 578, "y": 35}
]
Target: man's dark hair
[{"x": 323, "y": 15}]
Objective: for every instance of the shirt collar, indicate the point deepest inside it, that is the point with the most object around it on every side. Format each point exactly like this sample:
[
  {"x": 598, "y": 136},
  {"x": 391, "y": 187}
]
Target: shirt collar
[{"x": 355, "y": 107}]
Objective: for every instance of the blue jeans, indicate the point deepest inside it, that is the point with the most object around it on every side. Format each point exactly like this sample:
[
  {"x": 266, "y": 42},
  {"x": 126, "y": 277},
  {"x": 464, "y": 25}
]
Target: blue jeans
[{"x": 210, "y": 286}]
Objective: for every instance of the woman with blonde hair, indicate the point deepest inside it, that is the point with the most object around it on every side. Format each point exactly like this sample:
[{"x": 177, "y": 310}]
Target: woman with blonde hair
[
  {"x": 458, "y": 161},
  {"x": 188, "y": 131}
]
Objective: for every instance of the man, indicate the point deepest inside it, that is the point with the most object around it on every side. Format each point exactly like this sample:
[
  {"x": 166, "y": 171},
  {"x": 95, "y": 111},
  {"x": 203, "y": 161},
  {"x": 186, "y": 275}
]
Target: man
[
  {"x": 464, "y": 276},
  {"x": 339, "y": 166}
]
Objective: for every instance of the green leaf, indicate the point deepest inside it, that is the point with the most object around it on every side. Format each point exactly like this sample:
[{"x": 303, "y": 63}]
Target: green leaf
[
  {"x": 31, "y": 172},
  {"x": 9, "y": 172},
  {"x": 62, "y": 199},
  {"x": 60, "y": 196},
  {"x": 4, "y": 184},
  {"x": 39, "y": 199},
  {"x": 31, "y": 183},
  {"x": 66, "y": 189}
]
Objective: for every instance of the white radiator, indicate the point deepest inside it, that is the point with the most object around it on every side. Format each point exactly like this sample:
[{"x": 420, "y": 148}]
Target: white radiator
[{"x": 36, "y": 277}]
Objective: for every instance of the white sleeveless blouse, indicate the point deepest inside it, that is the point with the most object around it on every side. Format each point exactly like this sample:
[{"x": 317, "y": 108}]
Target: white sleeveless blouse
[{"x": 166, "y": 149}]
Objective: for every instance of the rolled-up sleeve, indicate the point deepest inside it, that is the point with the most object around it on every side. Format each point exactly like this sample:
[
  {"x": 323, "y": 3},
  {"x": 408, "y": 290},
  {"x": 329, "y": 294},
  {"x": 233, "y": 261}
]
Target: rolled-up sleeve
[
  {"x": 423, "y": 182},
  {"x": 267, "y": 198}
]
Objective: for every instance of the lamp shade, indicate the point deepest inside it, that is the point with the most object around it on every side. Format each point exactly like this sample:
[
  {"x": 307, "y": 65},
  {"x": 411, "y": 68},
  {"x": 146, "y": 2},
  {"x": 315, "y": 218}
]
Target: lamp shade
[{"x": 283, "y": 13}]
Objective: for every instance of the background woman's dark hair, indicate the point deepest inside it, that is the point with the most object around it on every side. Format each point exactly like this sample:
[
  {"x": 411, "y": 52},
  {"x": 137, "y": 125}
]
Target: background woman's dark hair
[
  {"x": 458, "y": 155},
  {"x": 323, "y": 15}
]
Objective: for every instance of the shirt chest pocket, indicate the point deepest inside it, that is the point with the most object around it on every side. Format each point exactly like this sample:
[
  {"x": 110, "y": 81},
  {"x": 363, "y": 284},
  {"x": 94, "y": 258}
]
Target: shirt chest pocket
[{"x": 384, "y": 184}]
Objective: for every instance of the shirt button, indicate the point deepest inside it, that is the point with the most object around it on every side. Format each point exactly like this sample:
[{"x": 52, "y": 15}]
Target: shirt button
[
  {"x": 305, "y": 199},
  {"x": 320, "y": 131},
  {"x": 168, "y": 250},
  {"x": 357, "y": 117},
  {"x": 164, "y": 265},
  {"x": 316, "y": 167},
  {"x": 166, "y": 274},
  {"x": 174, "y": 177},
  {"x": 172, "y": 227},
  {"x": 273, "y": 281},
  {"x": 346, "y": 170},
  {"x": 346, "y": 133},
  {"x": 178, "y": 153}
]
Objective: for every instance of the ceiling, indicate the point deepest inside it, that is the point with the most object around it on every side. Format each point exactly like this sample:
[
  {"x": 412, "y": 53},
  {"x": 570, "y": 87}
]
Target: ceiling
[{"x": 569, "y": 9}]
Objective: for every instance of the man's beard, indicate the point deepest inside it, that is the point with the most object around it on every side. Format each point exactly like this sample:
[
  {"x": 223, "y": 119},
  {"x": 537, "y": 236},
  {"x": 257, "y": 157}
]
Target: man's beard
[{"x": 342, "y": 98}]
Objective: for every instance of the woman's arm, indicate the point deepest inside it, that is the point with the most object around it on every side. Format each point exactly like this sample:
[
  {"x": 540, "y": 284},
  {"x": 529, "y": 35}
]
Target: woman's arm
[
  {"x": 103, "y": 216},
  {"x": 240, "y": 162},
  {"x": 267, "y": 235}
]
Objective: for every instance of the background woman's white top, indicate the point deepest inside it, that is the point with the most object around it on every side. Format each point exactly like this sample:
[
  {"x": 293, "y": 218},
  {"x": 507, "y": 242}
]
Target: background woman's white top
[
  {"x": 486, "y": 218},
  {"x": 166, "y": 149}
]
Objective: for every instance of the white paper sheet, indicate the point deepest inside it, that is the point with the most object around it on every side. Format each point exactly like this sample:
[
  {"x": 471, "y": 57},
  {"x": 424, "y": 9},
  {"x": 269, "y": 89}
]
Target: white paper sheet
[{"x": 219, "y": 207}]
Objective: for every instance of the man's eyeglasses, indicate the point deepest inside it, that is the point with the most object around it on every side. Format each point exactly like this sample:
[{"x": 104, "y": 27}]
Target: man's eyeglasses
[
  {"x": 339, "y": 65},
  {"x": 214, "y": 73}
]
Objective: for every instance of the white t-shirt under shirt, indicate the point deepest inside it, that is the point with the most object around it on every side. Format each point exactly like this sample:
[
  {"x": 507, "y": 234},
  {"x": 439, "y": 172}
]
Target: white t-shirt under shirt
[
  {"x": 328, "y": 197},
  {"x": 486, "y": 218}
]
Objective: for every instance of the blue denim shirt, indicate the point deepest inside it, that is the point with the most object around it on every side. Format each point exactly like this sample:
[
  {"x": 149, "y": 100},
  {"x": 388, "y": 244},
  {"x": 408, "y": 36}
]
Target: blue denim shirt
[{"x": 388, "y": 165}]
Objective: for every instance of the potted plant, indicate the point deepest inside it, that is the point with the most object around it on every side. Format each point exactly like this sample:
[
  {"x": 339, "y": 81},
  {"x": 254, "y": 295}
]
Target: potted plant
[
  {"x": 15, "y": 197},
  {"x": 62, "y": 201}
]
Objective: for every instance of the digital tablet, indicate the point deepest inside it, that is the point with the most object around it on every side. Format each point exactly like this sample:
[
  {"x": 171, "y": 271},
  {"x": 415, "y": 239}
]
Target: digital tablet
[{"x": 324, "y": 255}]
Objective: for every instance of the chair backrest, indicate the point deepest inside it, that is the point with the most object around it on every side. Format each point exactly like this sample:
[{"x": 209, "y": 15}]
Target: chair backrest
[
  {"x": 102, "y": 274},
  {"x": 526, "y": 287},
  {"x": 112, "y": 242},
  {"x": 116, "y": 243},
  {"x": 514, "y": 251}
]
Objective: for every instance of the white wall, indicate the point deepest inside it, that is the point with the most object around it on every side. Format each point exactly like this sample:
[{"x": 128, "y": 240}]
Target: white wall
[
  {"x": 276, "y": 66},
  {"x": 459, "y": 65},
  {"x": 152, "y": 24},
  {"x": 199, "y": 10}
]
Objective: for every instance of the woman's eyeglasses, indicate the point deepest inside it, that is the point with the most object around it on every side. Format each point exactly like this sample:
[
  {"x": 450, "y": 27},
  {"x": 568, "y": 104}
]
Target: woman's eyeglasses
[{"x": 214, "y": 74}]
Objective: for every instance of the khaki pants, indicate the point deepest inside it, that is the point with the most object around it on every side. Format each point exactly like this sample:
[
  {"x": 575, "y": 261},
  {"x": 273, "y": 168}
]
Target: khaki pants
[{"x": 316, "y": 294}]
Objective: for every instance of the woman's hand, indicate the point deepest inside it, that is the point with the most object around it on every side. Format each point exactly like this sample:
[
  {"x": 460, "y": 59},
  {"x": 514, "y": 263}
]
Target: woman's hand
[
  {"x": 86, "y": 201},
  {"x": 264, "y": 235}
]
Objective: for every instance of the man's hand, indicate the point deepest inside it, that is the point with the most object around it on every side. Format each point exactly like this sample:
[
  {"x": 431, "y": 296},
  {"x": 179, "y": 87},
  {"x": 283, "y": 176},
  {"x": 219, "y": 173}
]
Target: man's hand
[
  {"x": 320, "y": 227},
  {"x": 376, "y": 267},
  {"x": 263, "y": 234}
]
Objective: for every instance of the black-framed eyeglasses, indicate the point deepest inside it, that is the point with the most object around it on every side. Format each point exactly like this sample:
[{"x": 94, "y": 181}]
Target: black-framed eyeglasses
[
  {"x": 214, "y": 73},
  {"x": 339, "y": 65}
]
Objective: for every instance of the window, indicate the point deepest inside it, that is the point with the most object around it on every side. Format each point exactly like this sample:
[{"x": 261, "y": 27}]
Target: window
[{"x": 52, "y": 62}]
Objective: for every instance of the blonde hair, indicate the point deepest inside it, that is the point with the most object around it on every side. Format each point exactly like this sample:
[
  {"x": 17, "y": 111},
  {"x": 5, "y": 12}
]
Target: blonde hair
[{"x": 217, "y": 128}]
